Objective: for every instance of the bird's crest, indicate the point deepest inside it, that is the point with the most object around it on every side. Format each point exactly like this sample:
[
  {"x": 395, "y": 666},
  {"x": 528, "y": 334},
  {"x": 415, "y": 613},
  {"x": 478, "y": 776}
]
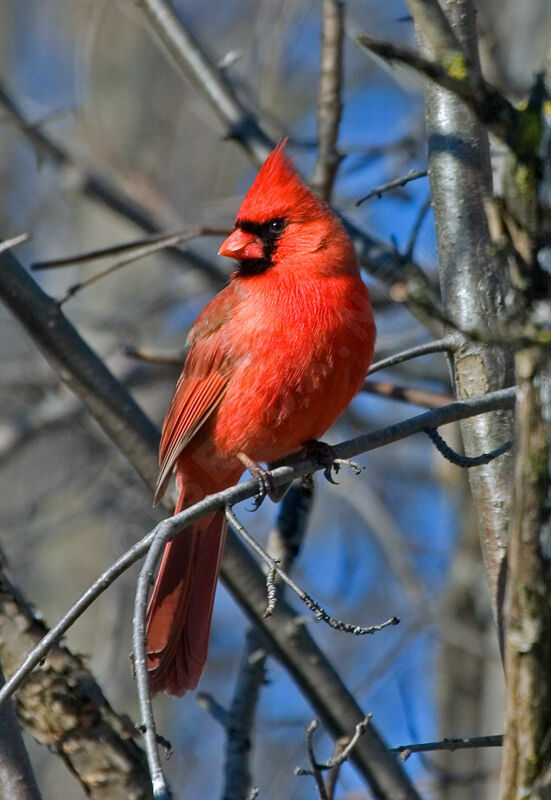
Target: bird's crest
[{"x": 279, "y": 190}]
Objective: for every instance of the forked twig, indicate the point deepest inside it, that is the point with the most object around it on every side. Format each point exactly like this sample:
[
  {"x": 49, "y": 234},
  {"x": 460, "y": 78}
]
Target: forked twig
[{"x": 308, "y": 601}]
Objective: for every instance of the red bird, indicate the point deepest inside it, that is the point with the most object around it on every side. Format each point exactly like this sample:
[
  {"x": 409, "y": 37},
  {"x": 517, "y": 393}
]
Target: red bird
[{"x": 274, "y": 359}]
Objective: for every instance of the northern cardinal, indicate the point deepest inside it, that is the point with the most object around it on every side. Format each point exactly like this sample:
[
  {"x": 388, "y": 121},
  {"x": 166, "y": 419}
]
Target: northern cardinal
[{"x": 274, "y": 359}]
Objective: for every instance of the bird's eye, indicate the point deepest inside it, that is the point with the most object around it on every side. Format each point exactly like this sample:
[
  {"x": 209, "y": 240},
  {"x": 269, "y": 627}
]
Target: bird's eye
[{"x": 277, "y": 225}]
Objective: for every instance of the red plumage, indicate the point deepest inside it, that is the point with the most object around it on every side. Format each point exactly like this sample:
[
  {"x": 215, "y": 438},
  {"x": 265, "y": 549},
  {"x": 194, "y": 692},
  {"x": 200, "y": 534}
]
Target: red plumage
[{"x": 274, "y": 359}]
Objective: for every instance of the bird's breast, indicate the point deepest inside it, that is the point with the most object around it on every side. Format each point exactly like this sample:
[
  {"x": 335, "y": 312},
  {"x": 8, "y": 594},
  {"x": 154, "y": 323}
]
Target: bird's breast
[{"x": 304, "y": 355}]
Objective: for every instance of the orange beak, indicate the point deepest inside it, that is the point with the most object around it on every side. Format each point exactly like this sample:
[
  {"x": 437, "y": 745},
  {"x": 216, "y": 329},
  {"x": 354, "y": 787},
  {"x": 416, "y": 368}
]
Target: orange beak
[{"x": 242, "y": 246}]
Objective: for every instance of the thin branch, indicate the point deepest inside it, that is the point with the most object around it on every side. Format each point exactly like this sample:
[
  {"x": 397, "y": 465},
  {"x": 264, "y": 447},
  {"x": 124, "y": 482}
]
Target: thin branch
[
  {"x": 465, "y": 461},
  {"x": 378, "y": 191},
  {"x": 284, "y": 544},
  {"x": 342, "y": 751},
  {"x": 318, "y": 611},
  {"x": 406, "y": 394},
  {"x": 416, "y": 228},
  {"x": 315, "y": 771},
  {"x": 160, "y": 243},
  {"x": 161, "y": 789},
  {"x": 405, "y": 750},
  {"x": 445, "y": 345},
  {"x": 329, "y": 97},
  {"x": 136, "y": 244}
]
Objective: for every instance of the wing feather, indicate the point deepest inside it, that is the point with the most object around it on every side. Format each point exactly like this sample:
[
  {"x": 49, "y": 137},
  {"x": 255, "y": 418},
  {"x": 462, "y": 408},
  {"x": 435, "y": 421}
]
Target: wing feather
[{"x": 201, "y": 385}]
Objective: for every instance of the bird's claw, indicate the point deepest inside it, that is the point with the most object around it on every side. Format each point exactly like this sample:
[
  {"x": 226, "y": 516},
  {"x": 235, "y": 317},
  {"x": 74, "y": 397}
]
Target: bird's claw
[
  {"x": 265, "y": 486},
  {"x": 324, "y": 454},
  {"x": 265, "y": 483}
]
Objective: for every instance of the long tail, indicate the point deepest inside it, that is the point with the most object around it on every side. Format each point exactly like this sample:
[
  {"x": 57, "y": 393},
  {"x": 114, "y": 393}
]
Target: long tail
[{"x": 180, "y": 610}]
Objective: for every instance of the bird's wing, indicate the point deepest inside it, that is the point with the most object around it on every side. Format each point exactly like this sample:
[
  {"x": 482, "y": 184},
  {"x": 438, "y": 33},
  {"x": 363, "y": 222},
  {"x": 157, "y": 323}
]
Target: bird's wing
[{"x": 201, "y": 385}]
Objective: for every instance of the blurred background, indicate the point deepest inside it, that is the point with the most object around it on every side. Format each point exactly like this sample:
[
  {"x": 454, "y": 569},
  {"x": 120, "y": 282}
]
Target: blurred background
[{"x": 400, "y": 539}]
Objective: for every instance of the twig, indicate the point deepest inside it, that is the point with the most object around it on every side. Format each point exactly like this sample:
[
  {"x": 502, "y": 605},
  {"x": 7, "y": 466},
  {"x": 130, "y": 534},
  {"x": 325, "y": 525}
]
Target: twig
[
  {"x": 335, "y": 761},
  {"x": 318, "y": 611},
  {"x": 444, "y": 345},
  {"x": 160, "y": 243},
  {"x": 416, "y": 228},
  {"x": 329, "y": 97},
  {"x": 465, "y": 461},
  {"x": 405, "y": 394},
  {"x": 136, "y": 244},
  {"x": 378, "y": 191},
  {"x": 315, "y": 770},
  {"x": 470, "y": 742},
  {"x": 209, "y": 704}
]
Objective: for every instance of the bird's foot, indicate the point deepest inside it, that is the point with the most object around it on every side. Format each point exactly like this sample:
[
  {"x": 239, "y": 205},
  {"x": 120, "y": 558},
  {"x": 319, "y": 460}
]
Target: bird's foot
[
  {"x": 265, "y": 484},
  {"x": 324, "y": 454}
]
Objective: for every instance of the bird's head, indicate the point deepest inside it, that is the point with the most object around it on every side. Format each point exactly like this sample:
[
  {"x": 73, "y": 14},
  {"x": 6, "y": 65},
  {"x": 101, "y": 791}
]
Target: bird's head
[{"x": 282, "y": 223}]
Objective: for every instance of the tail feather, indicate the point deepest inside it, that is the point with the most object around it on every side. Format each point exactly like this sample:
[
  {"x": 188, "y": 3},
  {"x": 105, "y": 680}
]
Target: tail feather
[{"x": 180, "y": 610}]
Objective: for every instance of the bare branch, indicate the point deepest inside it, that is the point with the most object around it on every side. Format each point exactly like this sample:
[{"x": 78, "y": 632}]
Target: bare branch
[
  {"x": 339, "y": 757},
  {"x": 444, "y": 345},
  {"x": 308, "y": 601},
  {"x": 465, "y": 461},
  {"x": 136, "y": 244},
  {"x": 160, "y": 243},
  {"x": 190, "y": 58},
  {"x": 155, "y": 357},
  {"x": 8, "y": 244},
  {"x": 329, "y": 97},
  {"x": 470, "y": 742},
  {"x": 378, "y": 191}
]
